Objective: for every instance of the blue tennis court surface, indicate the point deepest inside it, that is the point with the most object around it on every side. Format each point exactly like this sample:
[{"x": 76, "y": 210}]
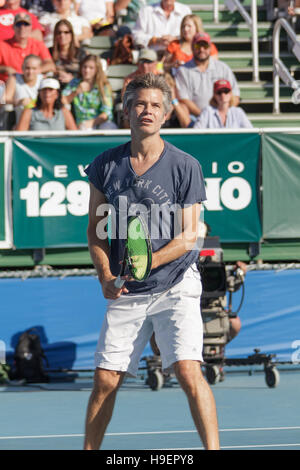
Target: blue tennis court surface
[{"x": 251, "y": 415}]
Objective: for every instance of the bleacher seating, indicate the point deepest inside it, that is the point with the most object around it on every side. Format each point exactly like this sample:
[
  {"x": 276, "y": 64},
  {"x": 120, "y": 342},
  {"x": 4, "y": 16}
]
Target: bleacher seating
[{"x": 233, "y": 40}]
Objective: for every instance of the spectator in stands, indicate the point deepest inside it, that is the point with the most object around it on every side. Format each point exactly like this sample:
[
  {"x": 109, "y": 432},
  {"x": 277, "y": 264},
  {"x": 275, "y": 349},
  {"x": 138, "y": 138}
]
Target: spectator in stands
[
  {"x": 131, "y": 10},
  {"x": 49, "y": 113},
  {"x": 147, "y": 63},
  {"x": 180, "y": 51},
  {"x": 38, "y": 7},
  {"x": 8, "y": 11},
  {"x": 14, "y": 50},
  {"x": 158, "y": 25},
  {"x": 179, "y": 115},
  {"x": 195, "y": 79},
  {"x": 22, "y": 90},
  {"x": 91, "y": 96},
  {"x": 65, "y": 54},
  {"x": 63, "y": 10},
  {"x": 97, "y": 12},
  {"x": 221, "y": 113}
]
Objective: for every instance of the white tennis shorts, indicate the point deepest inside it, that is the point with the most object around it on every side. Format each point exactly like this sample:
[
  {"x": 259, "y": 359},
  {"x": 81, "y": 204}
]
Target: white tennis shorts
[{"x": 173, "y": 315}]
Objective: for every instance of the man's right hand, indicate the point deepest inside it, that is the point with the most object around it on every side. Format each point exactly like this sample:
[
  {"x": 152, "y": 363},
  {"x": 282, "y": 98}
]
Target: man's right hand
[{"x": 110, "y": 291}]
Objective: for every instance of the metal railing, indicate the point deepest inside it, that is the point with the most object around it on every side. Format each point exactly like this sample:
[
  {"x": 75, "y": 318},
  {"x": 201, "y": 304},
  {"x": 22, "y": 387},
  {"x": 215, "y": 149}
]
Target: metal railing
[
  {"x": 280, "y": 71},
  {"x": 251, "y": 21}
]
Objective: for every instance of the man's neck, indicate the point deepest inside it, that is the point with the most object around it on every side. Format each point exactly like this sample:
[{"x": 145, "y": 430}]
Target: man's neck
[
  {"x": 167, "y": 12},
  {"x": 65, "y": 14},
  {"x": 147, "y": 149},
  {"x": 202, "y": 64},
  {"x": 31, "y": 82},
  {"x": 22, "y": 42}
]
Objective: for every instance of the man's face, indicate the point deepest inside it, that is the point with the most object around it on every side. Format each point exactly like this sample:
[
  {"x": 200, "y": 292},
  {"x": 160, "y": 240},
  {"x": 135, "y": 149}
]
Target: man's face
[
  {"x": 62, "y": 5},
  {"x": 146, "y": 66},
  {"x": 147, "y": 113},
  {"x": 168, "y": 5},
  {"x": 22, "y": 30},
  {"x": 201, "y": 51}
]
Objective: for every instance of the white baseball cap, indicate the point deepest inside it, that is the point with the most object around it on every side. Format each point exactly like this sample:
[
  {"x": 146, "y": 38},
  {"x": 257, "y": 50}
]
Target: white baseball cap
[{"x": 50, "y": 83}]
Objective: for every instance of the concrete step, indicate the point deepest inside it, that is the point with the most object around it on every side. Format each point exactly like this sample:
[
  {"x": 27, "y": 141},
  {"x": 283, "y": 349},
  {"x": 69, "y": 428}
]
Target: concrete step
[
  {"x": 227, "y": 31},
  {"x": 207, "y": 16},
  {"x": 258, "y": 98},
  {"x": 196, "y": 4},
  {"x": 274, "y": 120},
  {"x": 240, "y": 60}
]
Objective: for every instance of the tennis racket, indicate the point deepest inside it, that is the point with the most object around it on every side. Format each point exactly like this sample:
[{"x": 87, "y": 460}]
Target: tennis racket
[{"x": 138, "y": 252}]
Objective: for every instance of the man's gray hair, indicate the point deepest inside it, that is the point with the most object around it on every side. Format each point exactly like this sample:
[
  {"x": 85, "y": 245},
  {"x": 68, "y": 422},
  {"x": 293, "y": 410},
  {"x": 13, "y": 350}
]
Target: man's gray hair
[{"x": 150, "y": 81}]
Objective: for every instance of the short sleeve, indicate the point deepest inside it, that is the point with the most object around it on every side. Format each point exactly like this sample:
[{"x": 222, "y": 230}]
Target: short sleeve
[
  {"x": 173, "y": 46},
  {"x": 202, "y": 121},
  {"x": 192, "y": 188},
  {"x": 181, "y": 84},
  {"x": 107, "y": 104},
  {"x": 94, "y": 172},
  {"x": 244, "y": 121},
  {"x": 70, "y": 87}
]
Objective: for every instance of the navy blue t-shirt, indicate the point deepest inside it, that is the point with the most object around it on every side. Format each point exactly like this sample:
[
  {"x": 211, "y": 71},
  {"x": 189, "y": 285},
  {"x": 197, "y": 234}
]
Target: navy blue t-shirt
[{"x": 173, "y": 181}]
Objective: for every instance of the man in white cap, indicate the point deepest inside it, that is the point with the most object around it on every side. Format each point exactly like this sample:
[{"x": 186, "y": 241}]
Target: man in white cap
[{"x": 147, "y": 63}]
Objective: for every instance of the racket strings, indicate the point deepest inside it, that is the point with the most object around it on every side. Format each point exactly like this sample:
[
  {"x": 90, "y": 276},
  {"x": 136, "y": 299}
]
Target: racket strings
[{"x": 138, "y": 249}]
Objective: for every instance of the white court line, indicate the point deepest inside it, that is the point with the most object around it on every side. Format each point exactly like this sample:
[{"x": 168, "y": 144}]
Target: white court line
[
  {"x": 253, "y": 446},
  {"x": 117, "y": 434}
]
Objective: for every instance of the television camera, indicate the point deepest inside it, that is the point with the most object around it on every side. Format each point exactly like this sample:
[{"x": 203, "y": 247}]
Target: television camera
[{"x": 219, "y": 283}]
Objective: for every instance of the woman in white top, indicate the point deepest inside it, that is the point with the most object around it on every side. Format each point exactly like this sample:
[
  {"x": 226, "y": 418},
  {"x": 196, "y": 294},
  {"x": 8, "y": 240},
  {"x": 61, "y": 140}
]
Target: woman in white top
[
  {"x": 22, "y": 90},
  {"x": 64, "y": 10},
  {"x": 221, "y": 113},
  {"x": 96, "y": 11}
]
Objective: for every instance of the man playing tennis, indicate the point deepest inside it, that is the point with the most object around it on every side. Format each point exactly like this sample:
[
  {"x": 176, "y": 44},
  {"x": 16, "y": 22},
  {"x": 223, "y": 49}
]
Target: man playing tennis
[{"x": 147, "y": 173}]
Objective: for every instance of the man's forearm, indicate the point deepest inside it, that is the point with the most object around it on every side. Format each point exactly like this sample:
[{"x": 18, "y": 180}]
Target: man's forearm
[
  {"x": 48, "y": 66},
  {"x": 185, "y": 239},
  {"x": 173, "y": 250},
  {"x": 99, "y": 251},
  {"x": 192, "y": 107}
]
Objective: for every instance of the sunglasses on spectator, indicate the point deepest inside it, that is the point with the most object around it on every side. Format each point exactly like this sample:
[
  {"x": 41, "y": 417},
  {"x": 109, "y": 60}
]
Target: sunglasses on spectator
[
  {"x": 59, "y": 33},
  {"x": 145, "y": 61},
  {"x": 198, "y": 45},
  {"x": 220, "y": 92},
  {"x": 21, "y": 23}
]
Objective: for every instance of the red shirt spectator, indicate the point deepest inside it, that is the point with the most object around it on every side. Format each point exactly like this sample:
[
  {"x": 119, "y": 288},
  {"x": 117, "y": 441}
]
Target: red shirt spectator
[
  {"x": 7, "y": 16},
  {"x": 13, "y": 51}
]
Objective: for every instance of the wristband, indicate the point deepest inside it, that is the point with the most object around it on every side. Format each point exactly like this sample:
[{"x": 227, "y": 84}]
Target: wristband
[{"x": 175, "y": 102}]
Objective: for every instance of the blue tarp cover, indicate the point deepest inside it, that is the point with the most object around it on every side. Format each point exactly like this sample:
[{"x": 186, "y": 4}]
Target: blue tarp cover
[{"x": 68, "y": 313}]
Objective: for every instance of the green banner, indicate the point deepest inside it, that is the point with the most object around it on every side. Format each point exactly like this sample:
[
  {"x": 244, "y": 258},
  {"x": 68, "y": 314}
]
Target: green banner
[
  {"x": 231, "y": 168},
  {"x": 51, "y": 191},
  {"x": 281, "y": 177},
  {"x": 5, "y": 222}
]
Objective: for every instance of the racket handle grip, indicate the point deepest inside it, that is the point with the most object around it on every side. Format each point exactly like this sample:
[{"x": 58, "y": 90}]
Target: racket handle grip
[{"x": 119, "y": 282}]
